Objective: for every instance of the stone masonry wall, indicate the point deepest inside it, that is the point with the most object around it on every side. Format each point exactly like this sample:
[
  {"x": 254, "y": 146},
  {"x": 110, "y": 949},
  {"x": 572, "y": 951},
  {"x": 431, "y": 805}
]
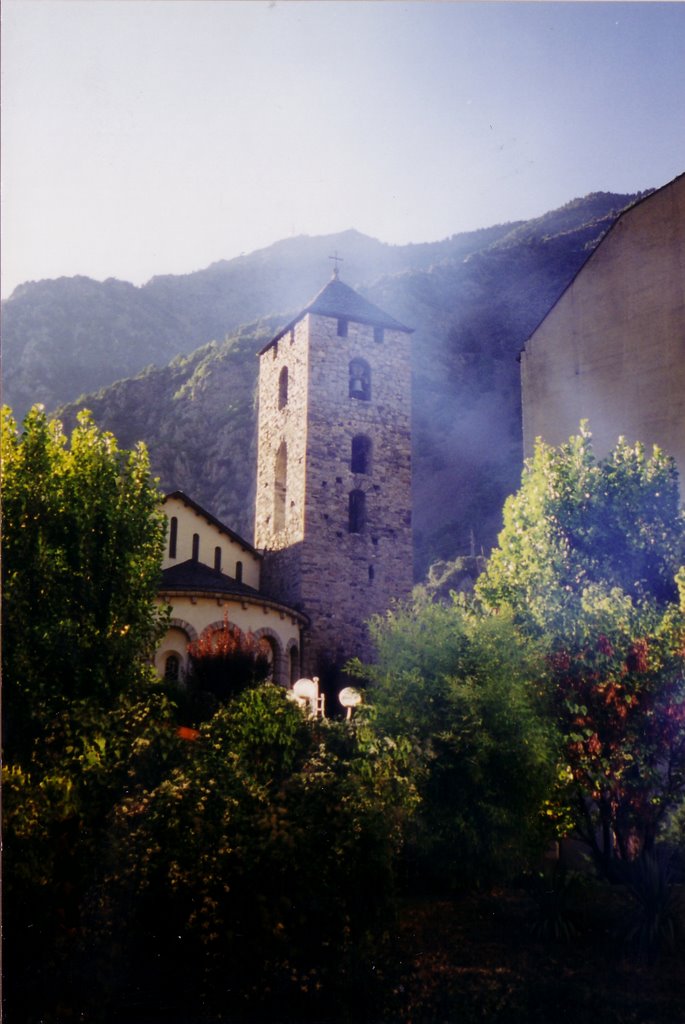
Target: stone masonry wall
[
  {"x": 276, "y": 425},
  {"x": 340, "y": 579}
]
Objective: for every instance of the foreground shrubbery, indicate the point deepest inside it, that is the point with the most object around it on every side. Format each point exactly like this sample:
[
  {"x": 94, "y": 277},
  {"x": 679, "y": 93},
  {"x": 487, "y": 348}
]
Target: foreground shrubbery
[
  {"x": 261, "y": 869},
  {"x": 255, "y": 869},
  {"x": 251, "y": 872}
]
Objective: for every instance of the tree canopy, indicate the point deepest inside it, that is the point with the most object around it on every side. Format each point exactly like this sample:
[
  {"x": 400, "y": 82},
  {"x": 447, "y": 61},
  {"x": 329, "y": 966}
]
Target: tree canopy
[
  {"x": 589, "y": 560},
  {"x": 82, "y": 544},
  {"x": 577, "y": 521},
  {"x": 463, "y": 689}
]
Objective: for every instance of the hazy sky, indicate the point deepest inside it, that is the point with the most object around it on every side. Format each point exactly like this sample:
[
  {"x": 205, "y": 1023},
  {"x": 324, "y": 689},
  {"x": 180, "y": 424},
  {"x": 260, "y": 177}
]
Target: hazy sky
[{"x": 146, "y": 136}]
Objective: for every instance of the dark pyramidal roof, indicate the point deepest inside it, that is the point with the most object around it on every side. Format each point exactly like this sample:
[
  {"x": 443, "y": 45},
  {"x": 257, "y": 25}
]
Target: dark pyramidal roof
[
  {"x": 338, "y": 300},
  {"x": 192, "y": 575},
  {"x": 196, "y": 577}
]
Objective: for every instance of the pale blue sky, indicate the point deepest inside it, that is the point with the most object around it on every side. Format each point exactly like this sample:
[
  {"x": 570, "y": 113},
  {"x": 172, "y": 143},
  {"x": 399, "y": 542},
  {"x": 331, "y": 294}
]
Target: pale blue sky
[{"x": 147, "y": 137}]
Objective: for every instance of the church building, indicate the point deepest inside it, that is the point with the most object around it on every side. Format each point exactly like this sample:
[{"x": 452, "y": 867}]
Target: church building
[
  {"x": 211, "y": 576},
  {"x": 333, "y": 539}
]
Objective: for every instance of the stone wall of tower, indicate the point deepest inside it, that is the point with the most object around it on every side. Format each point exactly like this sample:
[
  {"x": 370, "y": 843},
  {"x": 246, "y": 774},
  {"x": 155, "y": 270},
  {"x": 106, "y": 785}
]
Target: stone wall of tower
[
  {"x": 278, "y": 425},
  {"x": 339, "y": 578}
]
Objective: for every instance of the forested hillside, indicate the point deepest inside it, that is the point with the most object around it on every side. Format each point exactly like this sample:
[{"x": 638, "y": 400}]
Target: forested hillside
[
  {"x": 473, "y": 299},
  {"x": 68, "y": 336}
]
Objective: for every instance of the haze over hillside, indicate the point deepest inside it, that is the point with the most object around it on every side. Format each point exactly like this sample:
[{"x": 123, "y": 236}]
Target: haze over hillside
[{"x": 473, "y": 299}]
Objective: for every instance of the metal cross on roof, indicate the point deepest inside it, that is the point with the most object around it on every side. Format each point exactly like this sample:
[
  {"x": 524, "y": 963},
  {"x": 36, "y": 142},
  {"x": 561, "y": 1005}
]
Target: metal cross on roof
[{"x": 338, "y": 259}]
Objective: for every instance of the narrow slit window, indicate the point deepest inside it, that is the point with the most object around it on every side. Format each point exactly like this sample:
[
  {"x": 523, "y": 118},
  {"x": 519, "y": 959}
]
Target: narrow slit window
[
  {"x": 196, "y": 547},
  {"x": 280, "y": 487},
  {"x": 357, "y": 511},
  {"x": 361, "y": 454},
  {"x": 342, "y": 328},
  {"x": 173, "y": 536},
  {"x": 217, "y": 559},
  {"x": 239, "y": 572},
  {"x": 283, "y": 388}
]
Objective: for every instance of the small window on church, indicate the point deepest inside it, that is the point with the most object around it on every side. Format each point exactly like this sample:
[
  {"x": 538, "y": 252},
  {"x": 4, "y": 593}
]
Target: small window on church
[
  {"x": 217, "y": 559},
  {"x": 372, "y": 573},
  {"x": 283, "y": 388},
  {"x": 360, "y": 380},
  {"x": 196, "y": 547},
  {"x": 378, "y": 335},
  {"x": 172, "y": 667},
  {"x": 239, "y": 572},
  {"x": 173, "y": 536},
  {"x": 361, "y": 454},
  {"x": 357, "y": 512},
  {"x": 294, "y": 665},
  {"x": 342, "y": 328}
]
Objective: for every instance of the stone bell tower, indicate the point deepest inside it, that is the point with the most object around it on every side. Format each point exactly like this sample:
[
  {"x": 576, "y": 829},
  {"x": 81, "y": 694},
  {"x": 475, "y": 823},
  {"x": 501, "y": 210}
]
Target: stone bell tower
[{"x": 333, "y": 503}]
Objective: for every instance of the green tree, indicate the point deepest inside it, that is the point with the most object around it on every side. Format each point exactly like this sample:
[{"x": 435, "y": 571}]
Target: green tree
[
  {"x": 619, "y": 697},
  {"x": 82, "y": 544},
  {"x": 84, "y": 715},
  {"x": 578, "y": 521},
  {"x": 458, "y": 686},
  {"x": 588, "y": 561}
]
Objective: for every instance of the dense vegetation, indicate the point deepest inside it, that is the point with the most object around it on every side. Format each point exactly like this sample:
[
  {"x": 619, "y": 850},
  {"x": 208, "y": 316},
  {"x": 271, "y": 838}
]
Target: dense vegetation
[
  {"x": 473, "y": 299},
  {"x": 266, "y": 865},
  {"x": 591, "y": 561}
]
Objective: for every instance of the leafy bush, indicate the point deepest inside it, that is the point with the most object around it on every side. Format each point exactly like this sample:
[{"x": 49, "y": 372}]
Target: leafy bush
[{"x": 260, "y": 867}]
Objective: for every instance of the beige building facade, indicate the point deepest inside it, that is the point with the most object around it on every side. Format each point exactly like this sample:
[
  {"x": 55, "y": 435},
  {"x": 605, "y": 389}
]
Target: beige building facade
[
  {"x": 612, "y": 348},
  {"x": 210, "y": 576}
]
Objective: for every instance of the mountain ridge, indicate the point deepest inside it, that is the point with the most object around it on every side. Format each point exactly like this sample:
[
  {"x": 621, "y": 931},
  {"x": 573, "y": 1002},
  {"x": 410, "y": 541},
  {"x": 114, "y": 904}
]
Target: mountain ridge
[{"x": 473, "y": 299}]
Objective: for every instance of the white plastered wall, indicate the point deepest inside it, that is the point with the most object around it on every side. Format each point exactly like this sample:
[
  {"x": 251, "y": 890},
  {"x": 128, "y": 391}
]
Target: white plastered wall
[{"x": 191, "y": 522}]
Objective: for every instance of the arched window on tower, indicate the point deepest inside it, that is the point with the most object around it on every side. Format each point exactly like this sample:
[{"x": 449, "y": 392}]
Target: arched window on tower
[
  {"x": 283, "y": 388},
  {"x": 280, "y": 487},
  {"x": 361, "y": 454},
  {"x": 360, "y": 380},
  {"x": 357, "y": 512},
  {"x": 239, "y": 572}
]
